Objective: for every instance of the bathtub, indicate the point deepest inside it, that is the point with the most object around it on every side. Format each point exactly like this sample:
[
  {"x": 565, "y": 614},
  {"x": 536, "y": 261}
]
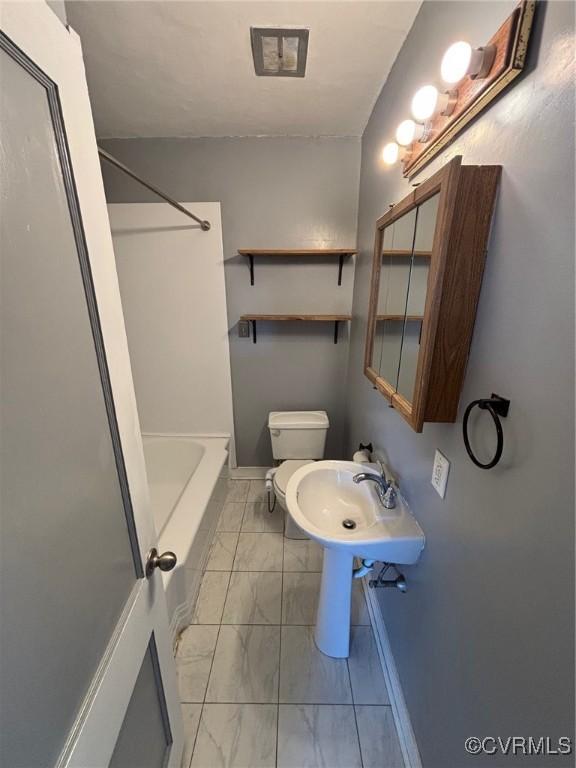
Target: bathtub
[{"x": 187, "y": 494}]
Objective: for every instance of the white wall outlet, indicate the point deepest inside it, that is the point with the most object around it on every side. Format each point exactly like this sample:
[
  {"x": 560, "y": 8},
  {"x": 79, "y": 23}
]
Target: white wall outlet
[{"x": 440, "y": 473}]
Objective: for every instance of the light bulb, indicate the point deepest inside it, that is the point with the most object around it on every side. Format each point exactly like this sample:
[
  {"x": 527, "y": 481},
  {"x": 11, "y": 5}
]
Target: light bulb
[
  {"x": 405, "y": 132},
  {"x": 461, "y": 60},
  {"x": 456, "y": 61},
  {"x": 428, "y": 101},
  {"x": 390, "y": 153},
  {"x": 409, "y": 131},
  {"x": 424, "y": 103}
]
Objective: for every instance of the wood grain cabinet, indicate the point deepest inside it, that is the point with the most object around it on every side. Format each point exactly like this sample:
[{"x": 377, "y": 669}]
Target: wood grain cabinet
[{"x": 429, "y": 258}]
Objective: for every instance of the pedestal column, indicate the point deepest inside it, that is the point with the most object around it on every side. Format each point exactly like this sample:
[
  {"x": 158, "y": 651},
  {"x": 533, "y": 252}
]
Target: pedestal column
[{"x": 332, "y": 632}]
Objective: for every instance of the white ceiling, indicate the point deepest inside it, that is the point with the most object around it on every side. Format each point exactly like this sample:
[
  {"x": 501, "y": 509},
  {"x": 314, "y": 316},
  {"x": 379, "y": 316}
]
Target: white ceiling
[{"x": 185, "y": 68}]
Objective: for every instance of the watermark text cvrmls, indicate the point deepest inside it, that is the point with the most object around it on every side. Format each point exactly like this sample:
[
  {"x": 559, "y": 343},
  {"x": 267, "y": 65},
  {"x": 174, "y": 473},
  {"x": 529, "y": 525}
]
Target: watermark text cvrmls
[{"x": 518, "y": 745}]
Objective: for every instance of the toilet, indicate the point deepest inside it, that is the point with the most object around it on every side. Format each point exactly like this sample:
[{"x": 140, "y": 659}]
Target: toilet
[{"x": 298, "y": 438}]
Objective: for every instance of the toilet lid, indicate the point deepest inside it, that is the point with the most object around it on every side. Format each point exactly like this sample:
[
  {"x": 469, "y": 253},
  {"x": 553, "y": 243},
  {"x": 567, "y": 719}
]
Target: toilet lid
[{"x": 286, "y": 470}]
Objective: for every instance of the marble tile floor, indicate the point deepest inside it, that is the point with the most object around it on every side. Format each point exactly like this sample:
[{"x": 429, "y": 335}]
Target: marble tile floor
[{"x": 255, "y": 690}]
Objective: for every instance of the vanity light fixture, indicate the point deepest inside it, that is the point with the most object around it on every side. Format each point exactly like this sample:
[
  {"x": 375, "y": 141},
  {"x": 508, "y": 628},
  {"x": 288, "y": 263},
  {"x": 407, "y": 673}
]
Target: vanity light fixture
[
  {"x": 461, "y": 59},
  {"x": 428, "y": 101},
  {"x": 390, "y": 153},
  {"x": 409, "y": 131},
  {"x": 475, "y": 76}
]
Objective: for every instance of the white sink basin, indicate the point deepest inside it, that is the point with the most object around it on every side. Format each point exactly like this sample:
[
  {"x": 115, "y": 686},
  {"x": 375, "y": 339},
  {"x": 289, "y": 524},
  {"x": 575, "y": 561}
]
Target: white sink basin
[{"x": 320, "y": 498}]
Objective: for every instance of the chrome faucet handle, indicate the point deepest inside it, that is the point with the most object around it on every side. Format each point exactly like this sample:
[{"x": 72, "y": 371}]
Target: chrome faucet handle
[
  {"x": 390, "y": 497},
  {"x": 385, "y": 490},
  {"x": 382, "y": 469},
  {"x": 388, "y": 475}
]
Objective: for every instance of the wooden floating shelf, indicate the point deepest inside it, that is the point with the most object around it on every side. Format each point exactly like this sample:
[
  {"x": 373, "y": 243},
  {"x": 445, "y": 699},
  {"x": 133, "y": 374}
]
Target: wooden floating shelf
[
  {"x": 307, "y": 318},
  {"x": 252, "y": 253},
  {"x": 297, "y": 318},
  {"x": 424, "y": 254},
  {"x": 304, "y": 252},
  {"x": 409, "y": 318}
]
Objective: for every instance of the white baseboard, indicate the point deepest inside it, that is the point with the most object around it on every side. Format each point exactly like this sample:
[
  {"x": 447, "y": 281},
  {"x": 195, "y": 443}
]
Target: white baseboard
[
  {"x": 406, "y": 736},
  {"x": 248, "y": 473}
]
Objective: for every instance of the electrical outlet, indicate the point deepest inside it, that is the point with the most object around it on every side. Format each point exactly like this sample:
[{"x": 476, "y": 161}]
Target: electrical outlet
[
  {"x": 243, "y": 329},
  {"x": 440, "y": 473}
]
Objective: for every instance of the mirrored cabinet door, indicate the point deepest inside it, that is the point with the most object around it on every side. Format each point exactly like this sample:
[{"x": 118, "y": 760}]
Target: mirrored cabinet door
[
  {"x": 425, "y": 224},
  {"x": 429, "y": 253},
  {"x": 397, "y": 243}
]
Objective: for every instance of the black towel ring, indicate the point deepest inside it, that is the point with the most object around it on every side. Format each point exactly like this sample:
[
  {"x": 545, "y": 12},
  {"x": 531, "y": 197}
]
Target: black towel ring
[{"x": 496, "y": 406}]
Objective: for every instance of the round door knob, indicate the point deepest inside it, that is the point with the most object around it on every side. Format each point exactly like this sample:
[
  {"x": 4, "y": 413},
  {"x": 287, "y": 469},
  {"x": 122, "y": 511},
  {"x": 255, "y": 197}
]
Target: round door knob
[{"x": 166, "y": 561}]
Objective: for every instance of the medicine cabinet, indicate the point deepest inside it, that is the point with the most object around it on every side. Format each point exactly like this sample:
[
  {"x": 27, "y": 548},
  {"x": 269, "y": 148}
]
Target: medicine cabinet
[{"x": 427, "y": 270}]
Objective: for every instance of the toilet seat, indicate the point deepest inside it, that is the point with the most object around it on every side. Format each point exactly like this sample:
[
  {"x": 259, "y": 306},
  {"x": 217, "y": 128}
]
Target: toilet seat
[
  {"x": 285, "y": 472},
  {"x": 281, "y": 478}
]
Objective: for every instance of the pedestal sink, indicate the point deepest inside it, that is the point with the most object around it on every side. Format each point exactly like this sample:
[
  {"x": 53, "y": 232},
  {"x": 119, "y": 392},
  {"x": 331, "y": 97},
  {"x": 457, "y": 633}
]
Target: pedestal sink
[{"x": 349, "y": 521}]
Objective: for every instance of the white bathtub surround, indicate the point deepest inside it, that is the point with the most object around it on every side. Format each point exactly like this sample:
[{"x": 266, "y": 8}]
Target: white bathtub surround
[
  {"x": 171, "y": 277},
  {"x": 272, "y": 698},
  {"x": 187, "y": 496},
  {"x": 169, "y": 467}
]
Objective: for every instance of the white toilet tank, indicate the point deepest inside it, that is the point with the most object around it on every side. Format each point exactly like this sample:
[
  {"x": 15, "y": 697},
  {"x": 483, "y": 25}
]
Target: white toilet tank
[{"x": 298, "y": 434}]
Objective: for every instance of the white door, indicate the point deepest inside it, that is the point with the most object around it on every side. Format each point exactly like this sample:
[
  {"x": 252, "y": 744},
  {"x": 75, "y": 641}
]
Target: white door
[{"x": 87, "y": 677}]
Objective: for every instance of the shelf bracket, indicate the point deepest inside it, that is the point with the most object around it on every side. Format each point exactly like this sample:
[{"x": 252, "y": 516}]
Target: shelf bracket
[
  {"x": 253, "y": 329},
  {"x": 251, "y": 265},
  {"x": 340, "y": 267},
  {"x": 336, "y": 331}
]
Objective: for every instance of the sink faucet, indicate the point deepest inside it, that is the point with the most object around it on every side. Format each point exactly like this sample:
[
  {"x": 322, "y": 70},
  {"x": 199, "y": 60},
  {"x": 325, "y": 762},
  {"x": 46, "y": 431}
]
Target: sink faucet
[{"x": 385, "y": 490}]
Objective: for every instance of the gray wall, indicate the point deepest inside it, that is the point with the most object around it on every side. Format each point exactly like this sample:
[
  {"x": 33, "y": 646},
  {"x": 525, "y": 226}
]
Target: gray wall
[
  {"x": 484, "y": 637},
  {"x": 59, "y": 9},
  {"x": 275, "y": 193}
]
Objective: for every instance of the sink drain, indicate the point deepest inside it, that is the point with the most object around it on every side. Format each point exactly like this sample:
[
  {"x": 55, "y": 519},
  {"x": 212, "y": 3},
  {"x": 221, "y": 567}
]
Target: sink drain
[{"x": 348, "y": 524}]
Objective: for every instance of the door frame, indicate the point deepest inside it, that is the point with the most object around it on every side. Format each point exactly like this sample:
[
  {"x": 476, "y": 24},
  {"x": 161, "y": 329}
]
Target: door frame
[{"x": 55, "y": 49}]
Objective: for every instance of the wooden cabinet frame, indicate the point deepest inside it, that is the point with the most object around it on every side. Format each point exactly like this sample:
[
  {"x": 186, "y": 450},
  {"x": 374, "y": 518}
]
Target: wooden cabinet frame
[{"x": 466, "y": 202}]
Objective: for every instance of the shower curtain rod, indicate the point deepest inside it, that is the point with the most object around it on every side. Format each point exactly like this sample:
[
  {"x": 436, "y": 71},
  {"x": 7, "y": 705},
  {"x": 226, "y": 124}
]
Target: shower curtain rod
[{"x": 205, "y": 225}]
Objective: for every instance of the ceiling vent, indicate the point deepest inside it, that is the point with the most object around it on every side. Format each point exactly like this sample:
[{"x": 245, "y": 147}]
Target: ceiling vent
[{"x": 279, "y": 52}]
